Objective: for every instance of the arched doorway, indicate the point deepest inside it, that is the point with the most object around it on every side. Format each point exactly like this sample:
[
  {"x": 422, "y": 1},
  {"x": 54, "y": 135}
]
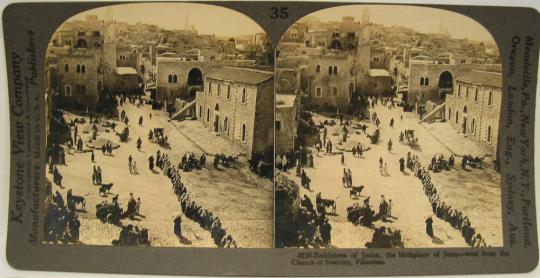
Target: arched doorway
[
  {"x": 216, "y": 118},
  {"x": 335, "y": 44},
  {"x": 81, "y": 43},
  {"x": 194, "y": 82},
  {"x": 226, "y": 124},
  {"x": 195, "y": 77},
  {"x": 446, "y": 84},
  {"x": 464, "y": 125}
]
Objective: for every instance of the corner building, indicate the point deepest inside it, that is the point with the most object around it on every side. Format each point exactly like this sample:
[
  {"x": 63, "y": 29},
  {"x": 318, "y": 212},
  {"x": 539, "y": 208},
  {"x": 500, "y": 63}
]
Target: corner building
[
  {"x": 473, "y": 108},
  {"x": 238, "y": 103}
]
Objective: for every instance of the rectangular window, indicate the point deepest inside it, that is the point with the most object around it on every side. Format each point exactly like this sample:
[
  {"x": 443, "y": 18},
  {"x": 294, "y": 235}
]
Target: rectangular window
[
  {"x": 278, "y": 125},
  {"x": 81, "y": 90},
  {"x": 318, "y": 92},
  {"x": 67, "y": 90}
]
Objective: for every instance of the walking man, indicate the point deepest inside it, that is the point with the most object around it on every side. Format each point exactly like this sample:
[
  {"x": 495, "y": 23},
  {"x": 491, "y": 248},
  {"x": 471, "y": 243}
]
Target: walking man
[{"x": 139, "y": 143}]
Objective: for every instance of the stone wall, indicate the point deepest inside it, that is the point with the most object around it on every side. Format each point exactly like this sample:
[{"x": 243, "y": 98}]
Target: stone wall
[
  {"x": 482, "y": 117},
  {"x": 256, "y": 113},
  {"x": 89, "y": 79}
]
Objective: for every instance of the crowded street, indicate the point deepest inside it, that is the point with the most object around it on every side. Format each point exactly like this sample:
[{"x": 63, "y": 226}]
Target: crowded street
[
  {"x": 242, "y": 200},
  {"x": 474, "y": 191}
]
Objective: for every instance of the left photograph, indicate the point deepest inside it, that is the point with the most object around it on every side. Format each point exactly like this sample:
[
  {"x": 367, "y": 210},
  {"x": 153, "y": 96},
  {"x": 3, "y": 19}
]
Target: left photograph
[{"x": 159, "y": 128}]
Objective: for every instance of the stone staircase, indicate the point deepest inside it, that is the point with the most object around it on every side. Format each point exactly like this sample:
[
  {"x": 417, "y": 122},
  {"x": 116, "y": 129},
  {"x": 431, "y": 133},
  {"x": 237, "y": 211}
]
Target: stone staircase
[
  {"x": 182, "y": 111},
  {"x": 434, "y": 114}
]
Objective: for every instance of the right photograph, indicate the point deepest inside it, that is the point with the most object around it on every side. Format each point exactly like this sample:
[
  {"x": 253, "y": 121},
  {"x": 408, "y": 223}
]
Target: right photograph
[{"x": 387, "y": 130}]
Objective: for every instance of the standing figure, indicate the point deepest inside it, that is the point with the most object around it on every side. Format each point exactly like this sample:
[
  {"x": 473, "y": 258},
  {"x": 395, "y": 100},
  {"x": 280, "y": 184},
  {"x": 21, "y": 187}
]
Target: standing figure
[
  {"x": 139, "y": 143},
  {"x": 429, "y": 226},
  {"x": 178, "y": 226}
]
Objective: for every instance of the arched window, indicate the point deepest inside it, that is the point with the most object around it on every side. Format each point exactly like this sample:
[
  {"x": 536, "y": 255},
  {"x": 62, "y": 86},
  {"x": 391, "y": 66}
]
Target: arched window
[
  {"x": 459, "y": 90},
  {"x": 78, "y": 68},
  {"x": 226, "y": 124},
  {"x": 318, "y": 68},
  {"x": 489, "y": 134},
  {"x": 490, "y": 98},
  {"x": 218, "y": 89},
  {"x": 467, "y": 92},
  {"x": 421, "y": 81},
  {"x": 170, "y": 78},
  {"x": 329, "y": 69},
  {"x": 216, "y": 108},
  {"x": 200, "y": 111},
  {"x": 473, "y": 127},
  {"x": 244, "y": 132},
  {"x": 476, "y": 95},
  {"x": 83, "y": 68},
  {"x": 335, "y": 69},
  {"x": 449, "y": 113},
  {"x": 175, "y": 79},
  {"x": 426, "y": 81},
  {"x": 209, "y": 87},
  {"x": 208, "y": 115},
  {"x": 465, "y": 109},
  {"x": 244, "y": 96},
  {"x": 293, "y": 34},
  {"x": 66, "y": 68},
  {"x": 457, "y": 117},
  {"x": 228, "y": 91}
]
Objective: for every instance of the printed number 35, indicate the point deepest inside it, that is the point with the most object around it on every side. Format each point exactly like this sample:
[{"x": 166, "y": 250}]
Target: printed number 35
[{"x": 279, "y": 12}]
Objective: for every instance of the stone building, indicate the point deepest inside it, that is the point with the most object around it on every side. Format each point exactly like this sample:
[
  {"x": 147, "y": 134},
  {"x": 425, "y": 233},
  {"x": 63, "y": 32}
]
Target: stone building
[
  {"x": 286, "y": 122},
  {"x": 331, "y": 82},
  {"x": 178, "y": 78},
  {"x": 432, "y": 82},
  {"x": 473, "y": 108},
  {"x": 79, "y": 78},
  {"x": 127, "y": 56},
  {"x": 237, "y": 103},
  {"x": 127, "y": 81},
  {"x": 379, "y": 83}
]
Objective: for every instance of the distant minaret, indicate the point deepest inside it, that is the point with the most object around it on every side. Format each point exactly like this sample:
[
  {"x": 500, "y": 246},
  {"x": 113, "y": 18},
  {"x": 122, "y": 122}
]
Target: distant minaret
[
  {"x": 109, "y": 25},
  {"x": 108, "y": 15},
  {"x": 366, "y": 28},
  {"x": 186, "y": 22},
  {"x": 441, "y": 27},
  {"x": 108, "y": 57},
  {"x": 365, "y": 17}
]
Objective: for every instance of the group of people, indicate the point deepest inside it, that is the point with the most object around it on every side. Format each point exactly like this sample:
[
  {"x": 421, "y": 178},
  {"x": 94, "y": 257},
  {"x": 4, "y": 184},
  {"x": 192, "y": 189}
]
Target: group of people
[
  {"x": 384, "y": 237},
  {"x": 61, "y": 220},
  {"x": 383, "y": 168},
  {"x": 190, "y": 162},
  {"x": 107, "y": 148},
  {"x": 192, "y": 210},
  {"x": 132, "y": 236},
  {"x": 346, "y": 180},
  {"x": 453, "y": 216},
  {"x": 440, "y": 163},
  {"x": 313, "y": 227},
  {"x": 97, "y": 175},
  {"x": 408, "y": 134},
  {"x": 358, "y": 150},
  {"x": 57, "y": 177}
]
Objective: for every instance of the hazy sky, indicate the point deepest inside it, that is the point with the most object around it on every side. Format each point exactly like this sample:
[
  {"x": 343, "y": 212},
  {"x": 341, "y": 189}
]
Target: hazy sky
[
  {"x": 207, "y": 19},
  {"x": 421, "y": 19}
]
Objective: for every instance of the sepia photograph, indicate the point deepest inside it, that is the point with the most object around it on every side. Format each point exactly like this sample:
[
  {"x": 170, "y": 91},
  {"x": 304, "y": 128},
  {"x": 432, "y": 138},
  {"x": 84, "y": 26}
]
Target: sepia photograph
[
  {"x": 159, "y": 128},
  {"x": 387, "y": 130}
]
